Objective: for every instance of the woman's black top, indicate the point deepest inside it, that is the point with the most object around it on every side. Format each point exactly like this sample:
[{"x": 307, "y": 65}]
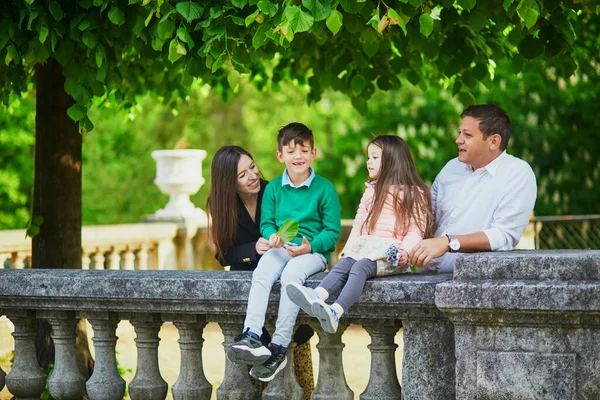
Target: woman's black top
[{"x": 243, "y": 256}]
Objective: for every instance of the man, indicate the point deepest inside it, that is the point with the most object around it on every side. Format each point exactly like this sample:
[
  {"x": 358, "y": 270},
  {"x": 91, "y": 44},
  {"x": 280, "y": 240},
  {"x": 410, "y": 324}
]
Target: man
[{"x": 482, "y": 200}]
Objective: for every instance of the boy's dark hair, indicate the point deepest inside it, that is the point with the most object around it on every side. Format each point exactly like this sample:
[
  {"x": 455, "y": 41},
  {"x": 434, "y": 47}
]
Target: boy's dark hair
[
  {"x": 297, "y": 132},
  {"x": 492, "y": 120}
]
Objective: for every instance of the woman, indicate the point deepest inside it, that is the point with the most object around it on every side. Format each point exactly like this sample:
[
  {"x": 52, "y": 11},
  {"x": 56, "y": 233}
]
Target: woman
[{"x": 236, "y": 184}]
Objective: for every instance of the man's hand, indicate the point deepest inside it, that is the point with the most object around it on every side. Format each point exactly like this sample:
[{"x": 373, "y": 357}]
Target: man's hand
[
  {"x": 262, "y": 245},
  {"x": 428, "y": 249},
  {"x": 275, "y": 241},
  {"x": 304, "y": 248}
]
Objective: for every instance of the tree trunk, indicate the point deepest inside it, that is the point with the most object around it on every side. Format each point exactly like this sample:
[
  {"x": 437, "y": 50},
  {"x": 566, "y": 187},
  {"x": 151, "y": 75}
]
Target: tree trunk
[{"x": 57, "y": 192}]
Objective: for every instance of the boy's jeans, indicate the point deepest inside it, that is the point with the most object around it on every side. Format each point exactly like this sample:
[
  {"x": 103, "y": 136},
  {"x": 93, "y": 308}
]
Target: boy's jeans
[{"x": 274, "y": 264}]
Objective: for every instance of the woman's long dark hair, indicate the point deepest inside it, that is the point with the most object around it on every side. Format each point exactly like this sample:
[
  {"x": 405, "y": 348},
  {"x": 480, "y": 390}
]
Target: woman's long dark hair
[
  {"x": 222, "y": 199},
  {"x": 398, "y": 168}
]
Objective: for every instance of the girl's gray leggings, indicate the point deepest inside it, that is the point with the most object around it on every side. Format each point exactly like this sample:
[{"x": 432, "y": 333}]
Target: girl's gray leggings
[{"x": 350, "y": 275}]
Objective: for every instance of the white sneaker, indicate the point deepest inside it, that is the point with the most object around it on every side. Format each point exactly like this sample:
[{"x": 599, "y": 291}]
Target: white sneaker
[
  {"x": 327, "y": 316},
  {"x": 302, "y": 296}
]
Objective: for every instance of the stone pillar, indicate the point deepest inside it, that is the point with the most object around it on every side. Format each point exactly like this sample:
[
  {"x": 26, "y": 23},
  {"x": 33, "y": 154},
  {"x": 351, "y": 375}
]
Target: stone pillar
[
  {"x": 383, "y": 379},
  {"x": 526, "y": 323},
  {"x": 191, "y": 383},
  {"x": 428, "y": 362},
  {"x": 236, "y": 383},
  {"x": 26, "y": 380},
  {"x": 66, "y": 382},
  {"x": 331, "y": 383},
  {"x": 105, "y": 382},
  {"x": 147, "y": 384}
]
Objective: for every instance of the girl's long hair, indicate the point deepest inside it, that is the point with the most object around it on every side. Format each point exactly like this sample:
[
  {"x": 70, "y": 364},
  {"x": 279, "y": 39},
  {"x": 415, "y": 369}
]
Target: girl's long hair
[
  {"x": 413, "y": 203},
  {"x": 222, "y": 199}
]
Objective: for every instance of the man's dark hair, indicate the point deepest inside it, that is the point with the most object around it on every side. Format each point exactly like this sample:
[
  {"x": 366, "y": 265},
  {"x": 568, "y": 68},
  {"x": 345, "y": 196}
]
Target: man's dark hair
[
  {"x": 297, "y": 132},
  {"x": 492, "y": 120}
]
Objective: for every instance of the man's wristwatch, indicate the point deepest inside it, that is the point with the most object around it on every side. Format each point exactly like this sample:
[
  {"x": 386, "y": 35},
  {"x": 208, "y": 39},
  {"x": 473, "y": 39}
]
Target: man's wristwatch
[{"x": 453, "y": 243}]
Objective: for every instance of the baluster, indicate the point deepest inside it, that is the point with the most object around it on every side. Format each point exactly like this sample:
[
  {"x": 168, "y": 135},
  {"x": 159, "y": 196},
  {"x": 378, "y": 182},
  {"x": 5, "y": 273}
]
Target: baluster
[
  {"x": 85, "y": 260},
  {"x": 383, "y": 379},
  {"x": 284, "y": 385},
  {"x": 128, "y": 259},
  {"x": 147, "y": 384},
  {"x": 114, "y": 259},
  {"x": 331, "y": 383},
  {"x": 105, "y": 382},
  {"x": 142, "y": 257},
  {"x": 236, "y": 383},
  {"x": 66, "y": 382},
  {"x": 2, "y": 378},
  {"x": 26, "y": 380},
  {"x": 98, "y": 259},
  {"x": 191, "y": 383},
  {"x": 3, "y": 258},
  {"x": 17, "y": 260}
]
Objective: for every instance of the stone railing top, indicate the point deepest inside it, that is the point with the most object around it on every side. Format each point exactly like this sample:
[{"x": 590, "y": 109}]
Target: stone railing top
[
  {"x": 558, "y": 265},
  {"x": 185, "y": 291},
  {"x": 98, "y": 235}
]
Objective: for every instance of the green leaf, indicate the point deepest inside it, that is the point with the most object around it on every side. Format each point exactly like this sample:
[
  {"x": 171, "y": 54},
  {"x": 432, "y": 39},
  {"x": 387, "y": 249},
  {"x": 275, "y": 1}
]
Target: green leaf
[
  {"x": 233, "y": 78},
  {"x": 300, "y": 21},
  {"x": 395, "y": 18},
  {"x": 334, "y": 21},
  {"x": 319, "y": 10},
  {"x": 85, "y": 125},
  {"x": 288, "y": 230},
  {"x": 268, "y": 8},
  {"x": 89, "y": 39},
  {"x": 38, "y": 220},
  {"x": 529, "y": 11},
  {"x": 352, "y": 6},
  {"x": 467, "y": 4},
  {"x": 507, "y": 3},
  {"x": 32, "y": 231},
  {"x": 166, "y": 29},
  {"x": 176, "y": 50},
  {"x": 184, "y": 36},
  {"x": 55, "y": 10},
  {"x": 32, "y": 16},
  {"x": 239, "y": 3},
  {"x": 64, "y": 53},
  {"x": 250, "y": 18},
  {"x": 357, "y": 83},
  {"x": 466, "y": 98},
  {"x": 478, "y": 19},
  {"x": 116, "y": 16},
  {"x": 83, "y": 25},
  {"x": 99, "y": 57},
  {"x": 259, "y": 37},
  {"x": 76, "y": 112},
  {"x": 426, "y": 24},
  {"x": 189, "y": 10},
  {"x": 43, "y": 34},
  {"x": 531, "y": 47}
]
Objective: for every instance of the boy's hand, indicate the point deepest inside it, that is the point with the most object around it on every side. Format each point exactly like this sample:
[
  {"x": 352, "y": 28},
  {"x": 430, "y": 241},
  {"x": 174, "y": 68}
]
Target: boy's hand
[
  {"x": 304, "y": 248},
  {"x": 275, "y": 241},
  {"x": 262, "y": 245}
]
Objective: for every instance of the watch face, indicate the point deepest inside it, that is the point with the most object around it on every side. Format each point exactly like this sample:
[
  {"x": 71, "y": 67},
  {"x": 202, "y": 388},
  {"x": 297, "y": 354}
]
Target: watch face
[{"x": 454, "y": 245}]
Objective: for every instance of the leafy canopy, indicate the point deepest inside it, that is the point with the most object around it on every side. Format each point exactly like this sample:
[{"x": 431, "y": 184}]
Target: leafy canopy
[{"x": 121, "y": 48}]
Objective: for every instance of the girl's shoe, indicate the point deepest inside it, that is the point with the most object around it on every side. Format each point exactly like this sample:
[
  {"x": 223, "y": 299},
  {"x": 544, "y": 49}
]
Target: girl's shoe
[
  {"x": 327, "y": 316},
  {"x": 302, "y": 296},
  {"x": 266, "y": 372},
  {"x": 247, "y": 349}
]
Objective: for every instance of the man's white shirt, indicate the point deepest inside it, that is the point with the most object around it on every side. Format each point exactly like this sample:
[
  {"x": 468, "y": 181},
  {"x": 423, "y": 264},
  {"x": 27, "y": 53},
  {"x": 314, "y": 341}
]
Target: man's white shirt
[{"x": 497, "y": 199}]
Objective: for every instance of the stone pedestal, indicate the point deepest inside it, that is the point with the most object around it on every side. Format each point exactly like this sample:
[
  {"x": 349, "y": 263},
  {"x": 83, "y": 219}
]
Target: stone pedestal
[{"x": 527, "y": 324}]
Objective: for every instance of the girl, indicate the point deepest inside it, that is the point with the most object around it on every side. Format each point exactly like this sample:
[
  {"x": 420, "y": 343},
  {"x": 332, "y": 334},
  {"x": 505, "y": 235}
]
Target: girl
[{"x": 394, "y": 215}]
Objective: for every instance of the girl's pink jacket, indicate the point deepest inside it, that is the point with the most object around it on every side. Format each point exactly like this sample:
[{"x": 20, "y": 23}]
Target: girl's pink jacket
[{"x": 386, "y": 222}]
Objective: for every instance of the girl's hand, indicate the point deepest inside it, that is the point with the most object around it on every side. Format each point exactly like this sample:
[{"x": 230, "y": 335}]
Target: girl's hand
[
  {"x": 403, "y": 258},
  {"x": 275, "y": 241},
  {"x": 262, "y": 245},
  {"x": 304, "y": 248}
]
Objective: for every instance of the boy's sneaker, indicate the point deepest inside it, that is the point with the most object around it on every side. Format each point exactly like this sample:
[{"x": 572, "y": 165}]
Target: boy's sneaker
[
  {"x": 266, "y": 372},
  {"x": 247, "y": 349},
  {"x": 302, "y": 296},
  {"x": 327, "y": 316}
]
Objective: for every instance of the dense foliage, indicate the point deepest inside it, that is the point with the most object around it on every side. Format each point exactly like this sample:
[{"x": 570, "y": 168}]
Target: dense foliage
[{"x": 121, "y": 48}]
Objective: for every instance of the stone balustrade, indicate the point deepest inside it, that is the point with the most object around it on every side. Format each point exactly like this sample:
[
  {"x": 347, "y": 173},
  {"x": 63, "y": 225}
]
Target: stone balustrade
[
  {"x": 192, "y": 298},
  {"x": 512, "y": 325}
]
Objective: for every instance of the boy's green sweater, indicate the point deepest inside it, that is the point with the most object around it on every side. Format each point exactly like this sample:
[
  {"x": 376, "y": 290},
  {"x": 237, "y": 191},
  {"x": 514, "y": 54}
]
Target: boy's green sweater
[{"x": 315, "y": 207}]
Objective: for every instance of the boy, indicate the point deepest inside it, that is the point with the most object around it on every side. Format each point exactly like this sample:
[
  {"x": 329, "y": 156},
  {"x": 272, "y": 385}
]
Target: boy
[{"x": 312, "y": 201}]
